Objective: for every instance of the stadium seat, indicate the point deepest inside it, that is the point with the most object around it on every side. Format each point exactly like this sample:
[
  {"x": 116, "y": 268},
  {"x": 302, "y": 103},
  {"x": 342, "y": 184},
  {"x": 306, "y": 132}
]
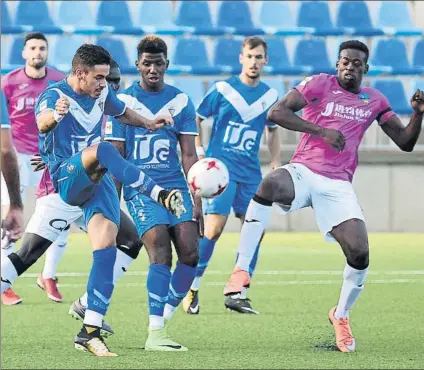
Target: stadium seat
[
  {"x": 236, "y": 15},
  {"x": 419, "y": 84},
  {"x": 193, "y": 87},
  {"x": 395, "y": 93},
  {"x": 312, "y": 55},
  {"x": 278, "y": 58},
  {"x": 392, "y": 53},
  {"x": 117, "y": 15},
  {"x": 226, "y": 54},
  {"x": 316, "y": 15},
  {"x": 197, "y": 15},
  {"x": 276, "y": 18},
  {"x": 394, "y": 18},
  {"x": 7, "y": 26},
  {"x": 354, "y": 16},
  {"x": 63, "y": 50},
  {"x": 15, "y": 56},
  {"x": 190, "y": 56},
  {"x": 418, "y": 56},
  {"x": 76, "y": 17},
  {"x": 36, "y": 14},
  {"x": 117, "y": 49},
  {"x": 277, "y": 84},
  {"x": 157, "y": 17}
]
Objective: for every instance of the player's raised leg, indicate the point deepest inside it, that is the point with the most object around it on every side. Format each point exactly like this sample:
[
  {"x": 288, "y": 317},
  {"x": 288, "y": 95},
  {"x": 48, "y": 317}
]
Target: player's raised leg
[{"x": 353, "y": 238}]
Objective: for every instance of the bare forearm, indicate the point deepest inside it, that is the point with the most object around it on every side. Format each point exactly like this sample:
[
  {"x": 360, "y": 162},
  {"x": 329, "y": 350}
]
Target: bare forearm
[
  {"x": 188, "y": 161},
  {"x": 46, "y": 121},
  {"x": 10, "y": 170},
  {"x": 132, "y": 118},
  {"x": 289, "y": 120},
  {"x": 412, "y": 132},
  {"x": 198, "y": 139},
  {"x": 274, "y": 144}
]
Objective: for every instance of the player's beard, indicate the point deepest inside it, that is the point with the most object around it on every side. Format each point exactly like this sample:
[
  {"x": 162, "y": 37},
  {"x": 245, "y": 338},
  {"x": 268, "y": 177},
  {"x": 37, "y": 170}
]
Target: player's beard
[{"x": 39, "y": 65}]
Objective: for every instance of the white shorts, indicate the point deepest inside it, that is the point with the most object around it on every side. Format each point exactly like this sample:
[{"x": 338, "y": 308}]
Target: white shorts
[
  {"x": 334, "y": 201},
  {"x": 28, "y": 178},
  {"x": 51, "y": 218}
]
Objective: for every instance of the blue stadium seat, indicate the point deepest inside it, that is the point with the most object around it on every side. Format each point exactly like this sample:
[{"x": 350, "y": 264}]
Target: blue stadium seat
[
  {"x": 419, "y": 84},
  {"x": 117, "y": 15},
  {"x": 236, "y": 15},
  {"x": 15, "y": 57},
  {"x": 63, "y": 50},
  {"x": 76, "y": 17},
  {"x": 190, "y": 56},
  {"x": 226, "y": 54},
  {"x": 313, "y": 56},
  {"x": 278, "y": 58},
  {"x": 392, "y": 53},
  {"x": 418, "y": 57},
  {"x": 276, "y": 84},
  {"x": 157, "y": 17},
  {"x": 395, "y": 19},
  {"x": 7, "y": 26},
  {"x": 275, "y": 17},
  {"x": 117, "y": 49},
  {"x": 36, "y": 14},
  {"x": 316, "y": 14},
  {"x": 395, "y": 93},
  {"x": 355, "y": 16},
  {"x": 197, "y": 14},
  {"x": 193, "y": 87}
]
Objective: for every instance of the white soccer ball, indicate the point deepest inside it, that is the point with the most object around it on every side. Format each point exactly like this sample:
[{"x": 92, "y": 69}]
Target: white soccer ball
[{"x": 208, "y": 177}]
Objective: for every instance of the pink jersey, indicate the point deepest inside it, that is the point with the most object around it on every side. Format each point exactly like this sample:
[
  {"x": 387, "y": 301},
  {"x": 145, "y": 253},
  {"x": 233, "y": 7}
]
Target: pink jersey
[
  {"x": 22, "y": 93},
  {"x": 330, "y": 106},
  {"x": 45, "y": 187}
]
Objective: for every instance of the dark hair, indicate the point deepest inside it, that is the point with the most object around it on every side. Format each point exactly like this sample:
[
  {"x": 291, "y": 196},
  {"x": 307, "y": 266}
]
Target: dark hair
[
  {"x": 357, "y": 45},
  {"x": 113, "y": 64},
  {"x": 152, "y": 44},
  {"x": 88, "y": 55},
  {"x": 253, "y": 42},
  {"x": 36, "y": 36}
]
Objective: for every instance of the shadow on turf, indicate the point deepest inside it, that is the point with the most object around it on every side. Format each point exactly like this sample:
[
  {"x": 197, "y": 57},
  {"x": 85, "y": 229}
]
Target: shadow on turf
[{"x": 325, "y": 344}]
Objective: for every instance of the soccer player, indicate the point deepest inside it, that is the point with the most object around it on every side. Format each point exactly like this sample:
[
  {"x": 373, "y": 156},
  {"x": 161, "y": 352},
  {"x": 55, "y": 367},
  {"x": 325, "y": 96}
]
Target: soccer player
[
  {"x": 239, "y": 106},
  {"x": 69, "y": 117},
  {"x": 22, "y": 88},
  {"x": 337, "y": 111},
  {"x": 156, "y": 154}
]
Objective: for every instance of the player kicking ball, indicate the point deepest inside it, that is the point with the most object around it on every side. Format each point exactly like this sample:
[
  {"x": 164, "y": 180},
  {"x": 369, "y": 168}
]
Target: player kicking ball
[
  {"x": 156, "y": 153},
  {"x": 337, "y": 111}
]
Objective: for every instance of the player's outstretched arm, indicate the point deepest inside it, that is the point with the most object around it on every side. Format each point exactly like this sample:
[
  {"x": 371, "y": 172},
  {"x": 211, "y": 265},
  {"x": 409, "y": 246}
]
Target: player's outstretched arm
[
  {"x": 406, "y": 137},
  {"x": 132, "y": 118},
  {"x": 284, "y": 114},
  {"x": 48, "y": 118}
]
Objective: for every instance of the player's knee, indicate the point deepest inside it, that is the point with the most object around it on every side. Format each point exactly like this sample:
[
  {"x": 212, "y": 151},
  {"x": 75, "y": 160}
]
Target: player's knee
[
  {"x": 161, "y": 255},
  {"x": 358, "y": 257},
  {"x": 213, "y": 230},
  {"x": 131, "y": 248},
  {"x": 104, "y": 150},
  {"x": 190, "y": 258}
]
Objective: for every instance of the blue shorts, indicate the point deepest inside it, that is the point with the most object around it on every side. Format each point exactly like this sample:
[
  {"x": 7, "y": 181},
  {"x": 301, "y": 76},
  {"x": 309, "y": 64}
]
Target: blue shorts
[
  {"x": 146, "y": 213},
  {"x": 77, "y": 189},
  {"x": 237, "y": 195}
]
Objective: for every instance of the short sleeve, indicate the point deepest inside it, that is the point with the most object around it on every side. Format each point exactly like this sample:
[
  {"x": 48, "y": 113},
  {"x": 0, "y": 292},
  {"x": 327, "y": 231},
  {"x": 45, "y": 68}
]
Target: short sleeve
[
  {"x": 188, "y": 123},
  {"x": 46, "y": 101},
  {"x": 113, "y": 106},
  {"x": 209, "y": 105},
  {"x": 115, "y": 130},
  {"x": 312, "y": 86},
  {"x": 385, "y": 111},
  {"x": 5, "y": 122}
]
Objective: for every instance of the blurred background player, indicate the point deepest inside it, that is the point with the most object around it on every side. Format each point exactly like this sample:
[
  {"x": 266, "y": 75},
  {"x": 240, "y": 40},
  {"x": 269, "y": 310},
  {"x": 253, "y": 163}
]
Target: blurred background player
[
  {"x": 12, "y": 224},
  {"x": 337, "y": 111},
  {"x": 22, "y": 88},
  {"x": 239, "y": 106},
  {"x": 156, "y": 153}
]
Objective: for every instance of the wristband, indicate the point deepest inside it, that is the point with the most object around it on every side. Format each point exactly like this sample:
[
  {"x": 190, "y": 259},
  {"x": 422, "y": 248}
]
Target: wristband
[
  {"x": 57, "y": 117},
  {"x": 200, "y": 150}
]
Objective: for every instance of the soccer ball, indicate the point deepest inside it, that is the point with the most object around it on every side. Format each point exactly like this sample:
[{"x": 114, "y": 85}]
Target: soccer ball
[{"x": 208, "y": 177}]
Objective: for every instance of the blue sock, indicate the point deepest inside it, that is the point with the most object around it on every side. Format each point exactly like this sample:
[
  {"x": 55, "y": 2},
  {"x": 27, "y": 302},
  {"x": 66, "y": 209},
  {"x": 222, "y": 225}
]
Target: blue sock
[
  {"x": 254, "y": 261},
  {"x": 206, "y": 248},
  {"x": 180, "y": 283},
  {"x": 100, "y": 282},
  {"x": 158, "y": 280},
  {"x": 125, "y": 172}
]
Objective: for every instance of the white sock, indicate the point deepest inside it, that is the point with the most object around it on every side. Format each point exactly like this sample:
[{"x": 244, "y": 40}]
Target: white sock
[
  {"x": 53, "y": 256},
  {"x": 353, "y": 285},
  {"x": 156, "y": 322},
  {"x": 196, "y": 283},
  {"x": 93, "y": 318},
  {"x": 122, "y": 263},
  {"x": 9, "y": 248},
  {"x": 256, "y": 221},
  {"x": 8, "y": 274},
  {"x": 243, "y": 294},
  {"x": 169, "y": 311}
]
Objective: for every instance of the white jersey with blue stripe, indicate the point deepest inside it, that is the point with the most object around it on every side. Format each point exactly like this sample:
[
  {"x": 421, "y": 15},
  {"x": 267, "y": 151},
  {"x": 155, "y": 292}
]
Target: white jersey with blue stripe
[
  {"x": 155, "y": 152},
  {"x": 239, "y": 117},
  {"x": 81, "y": 126}
]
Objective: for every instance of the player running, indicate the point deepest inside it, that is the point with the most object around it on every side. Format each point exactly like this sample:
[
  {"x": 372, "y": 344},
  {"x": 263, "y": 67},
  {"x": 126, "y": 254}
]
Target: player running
[
  {"x": 156, "y": 154},
  {"x": 239, "y": 106},
  {"x": 337, "y": 111},
  {"x": 22, "y": 88}
]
